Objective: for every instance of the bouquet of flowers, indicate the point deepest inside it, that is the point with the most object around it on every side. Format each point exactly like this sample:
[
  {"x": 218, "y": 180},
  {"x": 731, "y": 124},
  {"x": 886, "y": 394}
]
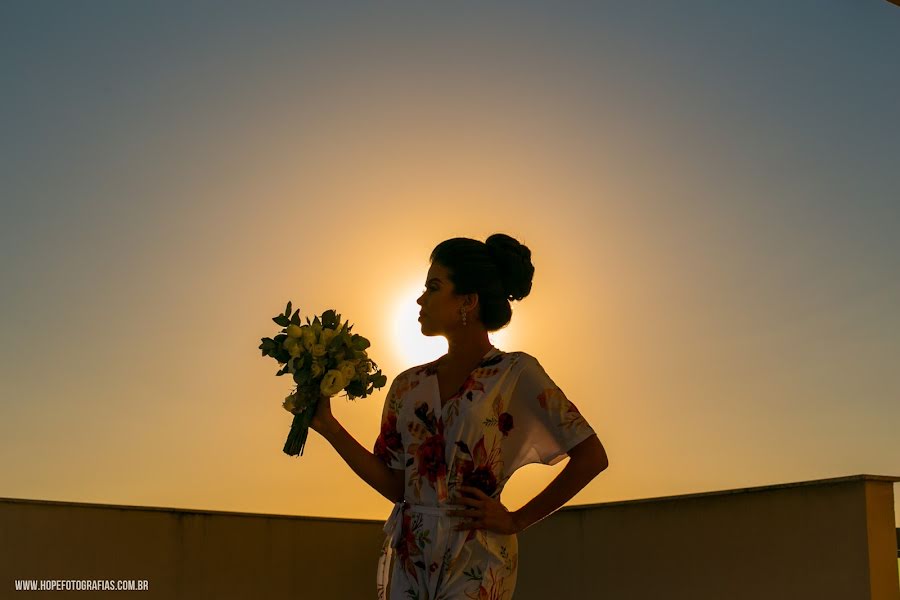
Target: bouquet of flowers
[{"x": 324, "y": 359}]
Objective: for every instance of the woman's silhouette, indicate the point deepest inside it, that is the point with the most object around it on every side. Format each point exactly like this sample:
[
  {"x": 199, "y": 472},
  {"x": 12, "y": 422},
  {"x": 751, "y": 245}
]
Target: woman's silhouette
[{"x": 454, "y": 430}]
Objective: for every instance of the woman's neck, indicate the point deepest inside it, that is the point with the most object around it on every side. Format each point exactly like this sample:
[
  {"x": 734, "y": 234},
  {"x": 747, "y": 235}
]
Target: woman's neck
[{"x": 464, "y": 353}]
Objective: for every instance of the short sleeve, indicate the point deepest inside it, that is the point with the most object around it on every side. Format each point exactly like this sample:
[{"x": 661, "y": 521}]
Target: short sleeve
[
  {"x": 548, "y": 423},
  {"x": 389, "y": 444}
]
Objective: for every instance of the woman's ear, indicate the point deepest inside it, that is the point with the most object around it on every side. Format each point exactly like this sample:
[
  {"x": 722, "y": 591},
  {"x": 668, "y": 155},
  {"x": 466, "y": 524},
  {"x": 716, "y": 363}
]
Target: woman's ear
[{"x": 471, "y": 301}]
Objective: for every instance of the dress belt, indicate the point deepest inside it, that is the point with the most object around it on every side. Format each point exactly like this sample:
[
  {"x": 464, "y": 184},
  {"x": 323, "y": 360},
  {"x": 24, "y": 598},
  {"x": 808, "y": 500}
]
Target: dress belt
[{"x": 393, "y": 525}]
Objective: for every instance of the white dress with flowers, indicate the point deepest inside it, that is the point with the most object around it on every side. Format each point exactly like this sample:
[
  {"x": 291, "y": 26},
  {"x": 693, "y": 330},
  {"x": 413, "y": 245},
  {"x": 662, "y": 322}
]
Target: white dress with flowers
[{"x": 508, "y": 413}]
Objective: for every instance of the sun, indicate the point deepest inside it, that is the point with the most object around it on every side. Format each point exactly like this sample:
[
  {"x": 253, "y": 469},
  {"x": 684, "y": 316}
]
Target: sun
[{"x": 412, "y": 346}]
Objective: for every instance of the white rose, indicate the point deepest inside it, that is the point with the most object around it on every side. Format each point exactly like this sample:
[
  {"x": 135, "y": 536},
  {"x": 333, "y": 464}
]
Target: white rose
[
  {"x": 332, "y": 383},
  {"x": 293, "y": 331},
  {"x": 295, "y": 350},
  {"x": 290, "y": 403},
  {"x": 318, "y": 350},
  {"x": 326, "y": 337},
  {"x": 316, "y": 369},
  {"x": 347, "y": 370},
  {"x": 308, "y": 336}
]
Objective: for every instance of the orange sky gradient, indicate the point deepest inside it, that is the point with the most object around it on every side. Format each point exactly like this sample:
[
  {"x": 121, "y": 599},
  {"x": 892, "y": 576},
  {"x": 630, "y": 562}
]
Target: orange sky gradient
[{"x": 712, "y": 215}]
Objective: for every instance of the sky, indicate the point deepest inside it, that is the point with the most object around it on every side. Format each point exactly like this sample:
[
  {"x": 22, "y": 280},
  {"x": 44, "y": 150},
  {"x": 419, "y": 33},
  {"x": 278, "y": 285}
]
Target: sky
[{"x": 708, "y": 189}]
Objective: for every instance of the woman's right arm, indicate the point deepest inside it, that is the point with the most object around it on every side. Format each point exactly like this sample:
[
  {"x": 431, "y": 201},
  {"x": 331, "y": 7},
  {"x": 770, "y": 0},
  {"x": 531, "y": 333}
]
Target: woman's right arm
[{"x": 389, "y": 482}]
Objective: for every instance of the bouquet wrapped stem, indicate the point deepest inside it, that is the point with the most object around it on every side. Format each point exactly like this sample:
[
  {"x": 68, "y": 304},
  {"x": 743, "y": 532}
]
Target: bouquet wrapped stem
[
  {"x": 296, "y": 439},
  {"x": 324, "y": 358},
  {"x": 303, "y": 416}
]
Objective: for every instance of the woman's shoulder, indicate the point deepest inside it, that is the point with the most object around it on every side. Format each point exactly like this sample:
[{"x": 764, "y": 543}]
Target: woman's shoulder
[
  {"x": 524, "y": 365},
  {"x": 514, "y": 361},
  {"x": 405, "y": 382},
  {"x": 423, "y": 369},
  {"x": 519, "y": 357},
  {"x": 416, "y": 371}
]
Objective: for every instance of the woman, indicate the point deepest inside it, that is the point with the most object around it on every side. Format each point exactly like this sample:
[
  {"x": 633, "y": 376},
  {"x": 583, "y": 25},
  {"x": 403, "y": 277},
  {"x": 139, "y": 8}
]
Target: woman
[{"x": 454, "y": 430}]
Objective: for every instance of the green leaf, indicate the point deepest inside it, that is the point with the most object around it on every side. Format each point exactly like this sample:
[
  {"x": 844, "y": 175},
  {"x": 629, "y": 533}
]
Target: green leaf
[
  {"x": 356, "y": 387},
  {"x": 282, "y": 320},
  {"x": 295, "y": 318},
  {"x": 287, "y": 310},
  {"x": 359, "y": 342},
  {"x": 269, "y": 347}
]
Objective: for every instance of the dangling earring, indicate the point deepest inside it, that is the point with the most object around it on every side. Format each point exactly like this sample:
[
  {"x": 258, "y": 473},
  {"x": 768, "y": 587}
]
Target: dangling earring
[{"x": 463, "y": 312}]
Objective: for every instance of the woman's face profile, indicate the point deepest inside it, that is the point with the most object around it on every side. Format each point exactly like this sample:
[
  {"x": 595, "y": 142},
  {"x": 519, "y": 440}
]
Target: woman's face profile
[{"x": 440, "y": 304}]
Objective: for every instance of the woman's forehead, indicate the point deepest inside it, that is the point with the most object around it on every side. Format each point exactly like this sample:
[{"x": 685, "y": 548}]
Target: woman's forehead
[{"x": 437, "y": 271}]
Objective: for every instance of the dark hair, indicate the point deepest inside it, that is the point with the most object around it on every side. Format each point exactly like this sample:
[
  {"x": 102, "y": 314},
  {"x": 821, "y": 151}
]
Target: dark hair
[{"x": 498, "y": 270}]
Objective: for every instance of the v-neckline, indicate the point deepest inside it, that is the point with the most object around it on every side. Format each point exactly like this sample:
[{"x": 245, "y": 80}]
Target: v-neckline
[{"x": 437, "y": 384}]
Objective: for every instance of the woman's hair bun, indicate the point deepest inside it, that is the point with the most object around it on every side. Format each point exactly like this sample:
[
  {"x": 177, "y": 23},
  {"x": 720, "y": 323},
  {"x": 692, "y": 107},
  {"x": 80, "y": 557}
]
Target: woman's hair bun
[{"x": 513, "y": 260}]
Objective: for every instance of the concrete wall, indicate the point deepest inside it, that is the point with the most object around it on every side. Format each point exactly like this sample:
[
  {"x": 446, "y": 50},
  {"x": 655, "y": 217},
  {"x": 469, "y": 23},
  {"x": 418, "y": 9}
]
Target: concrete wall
[
  {"x": 822, "y": 540},
  {"x": 187, "y": 554},
  {"x": 827, "y": 539}
]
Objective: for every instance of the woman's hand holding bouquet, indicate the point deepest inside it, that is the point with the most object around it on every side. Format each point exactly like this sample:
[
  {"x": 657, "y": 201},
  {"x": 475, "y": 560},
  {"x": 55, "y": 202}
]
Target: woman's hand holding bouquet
[{"x": 324, "y": 358}]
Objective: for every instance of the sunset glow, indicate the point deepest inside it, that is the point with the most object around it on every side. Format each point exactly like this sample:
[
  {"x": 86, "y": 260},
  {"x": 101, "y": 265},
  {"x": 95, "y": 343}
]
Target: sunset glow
[
  {"x": 415, "y": 348},
  {"x": 709, "y": 195}
]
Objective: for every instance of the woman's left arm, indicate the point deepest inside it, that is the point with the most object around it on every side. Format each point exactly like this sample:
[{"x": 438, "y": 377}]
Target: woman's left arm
[{"x": 586, "y": 460}]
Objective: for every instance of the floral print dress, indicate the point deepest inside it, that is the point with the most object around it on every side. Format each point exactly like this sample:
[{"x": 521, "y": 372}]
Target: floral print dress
[{"x": 508, "y": 413}]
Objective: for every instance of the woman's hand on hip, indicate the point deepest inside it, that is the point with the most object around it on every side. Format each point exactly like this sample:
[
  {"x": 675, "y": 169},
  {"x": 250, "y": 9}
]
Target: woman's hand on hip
[{"x": 484, "y": 512}]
